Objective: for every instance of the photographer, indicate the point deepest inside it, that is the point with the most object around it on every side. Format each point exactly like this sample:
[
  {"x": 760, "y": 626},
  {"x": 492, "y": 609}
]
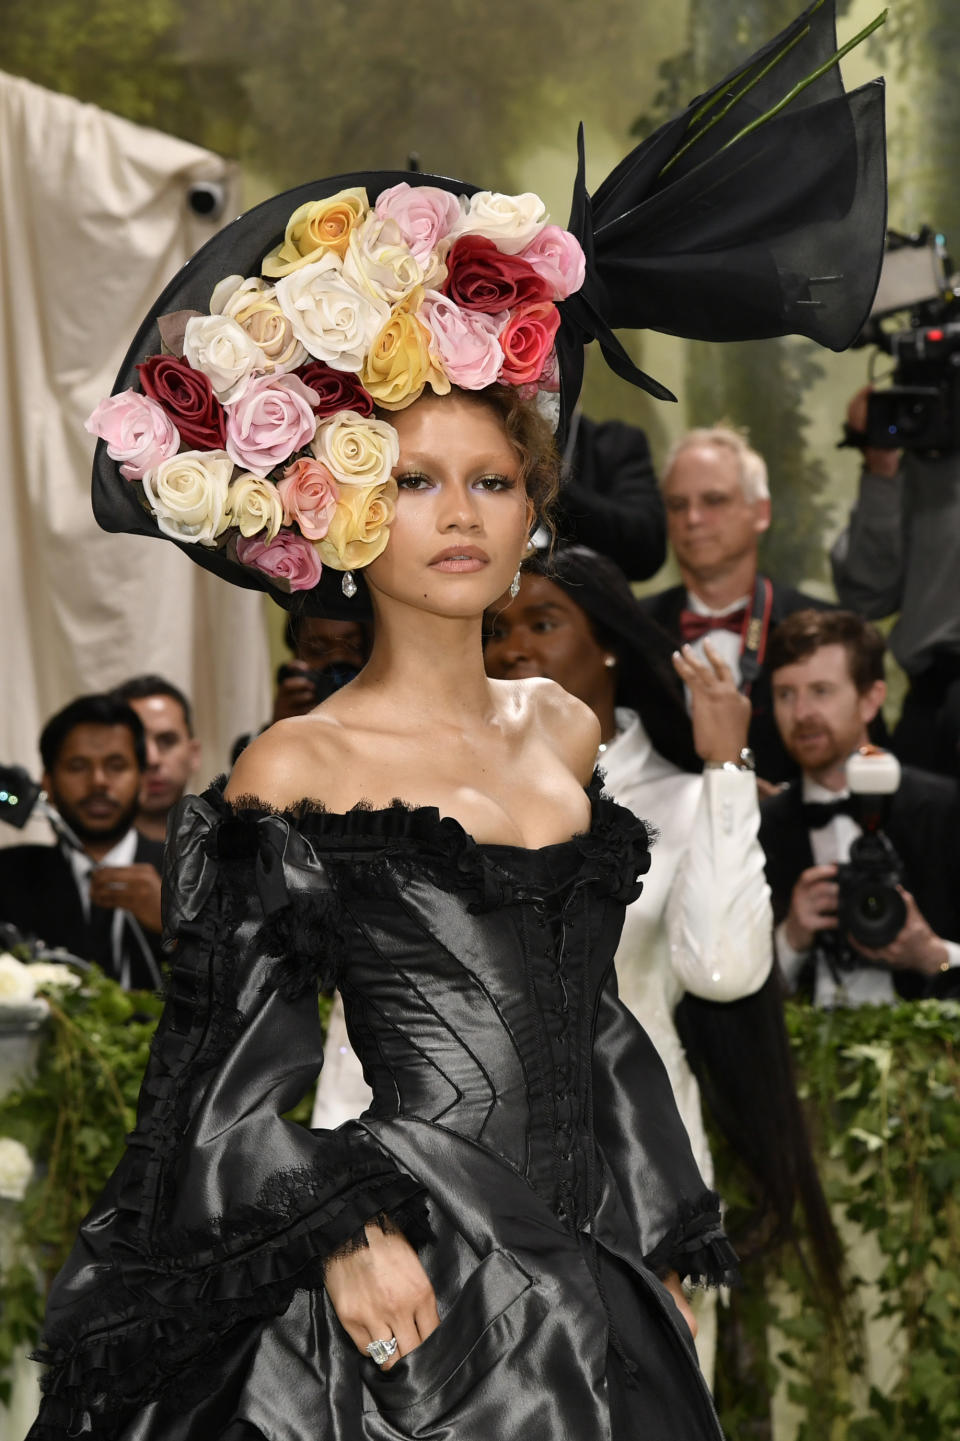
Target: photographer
[
  {"x": 827, "y": 682},
  {"x": 327, "y": 653},
  {"x": 901, "y": 553}
]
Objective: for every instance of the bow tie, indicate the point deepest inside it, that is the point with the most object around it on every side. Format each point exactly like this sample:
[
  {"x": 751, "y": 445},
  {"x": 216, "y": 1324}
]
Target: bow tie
[
  {"x": 820, "y": 813},
  {"x": 693, "y": 625}
]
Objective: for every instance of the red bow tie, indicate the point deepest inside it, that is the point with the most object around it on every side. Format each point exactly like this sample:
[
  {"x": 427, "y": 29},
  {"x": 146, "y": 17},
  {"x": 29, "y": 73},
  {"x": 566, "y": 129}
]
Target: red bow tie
[{"x": 693, "y": 625}]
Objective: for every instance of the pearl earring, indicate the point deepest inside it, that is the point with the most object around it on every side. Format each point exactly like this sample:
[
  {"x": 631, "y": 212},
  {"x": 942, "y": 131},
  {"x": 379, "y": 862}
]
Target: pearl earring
[
  {"x": 609, "y": 661},
  {"x": 348, "y": 585},
  {"x": 515, "y": 586}
]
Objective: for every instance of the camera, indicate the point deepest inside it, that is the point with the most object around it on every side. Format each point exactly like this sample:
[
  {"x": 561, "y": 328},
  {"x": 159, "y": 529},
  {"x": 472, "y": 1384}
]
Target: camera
[
  {"x": 324, "y": 682},
  {"x": 920, "y": 410},
  {"x": 870, "y": 909}
]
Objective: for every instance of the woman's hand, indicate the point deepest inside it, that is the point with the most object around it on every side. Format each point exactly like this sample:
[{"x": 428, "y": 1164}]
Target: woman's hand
[
  {"x": 381, "y": 1291},
  {"x": 675, "y": 1286},
  {"x": 720, "y": 714}
]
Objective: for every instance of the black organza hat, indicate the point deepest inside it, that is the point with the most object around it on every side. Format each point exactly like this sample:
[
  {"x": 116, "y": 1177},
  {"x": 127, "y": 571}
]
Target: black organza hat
[{"x": 246, "y": 423}]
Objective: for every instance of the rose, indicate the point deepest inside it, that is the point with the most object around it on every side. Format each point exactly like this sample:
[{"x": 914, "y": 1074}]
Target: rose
[
  {"x": 16, "y": 1169},
  {"x": 557, "y": 256},
  {"x": 187, "y": 397},
  {"x": 481, "y": 277},
  {"x": 527, "y": 339},
  {"x": 380, "y": 263},
  {"x": 356, "y": 449},
  {"x": 511, "y": 221},
  {"x": 137, "y": 431},
  {"x": 309, "y": 494},
  {"x": 337, "y": 389},
  {"x": 466, "y": 340},
  {"x": 360, "y": 526},
  {"x": 188, "y": 494},
  {"x": 223, "y": 350},
  {"x": 253, "y": 504},
  {"x": 424, "y": 215},
  {"x": 253, "y": 305},
  {"x": 400, "y": 363},
  {"x": 272, "y": 419},
  {"x": 16, "y": 983},
  {"x": 317, "y": 228},
  {"x": 330, "y": 318},
  {"x": 288, "y": 559},
  {"x": 51, "y": 976}
]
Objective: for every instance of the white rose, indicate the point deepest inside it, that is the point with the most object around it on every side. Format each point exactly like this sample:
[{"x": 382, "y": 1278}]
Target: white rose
[
  {"x": 335, "y": 322},
  {"x": 16, "y": 1169},
  {"x": 188, "y": 494},
  {"x": 254, "y": 505},
  {"x": 253, "y": 304},
  {"x": 357, "y": 449},
  {"x": 223, "y": 350},
  {"x": 53, "y": 976},
  {"x": 379, "y": 262},
  {"x": 510, "y": 221},
  {"x": 16, "y": 983}
]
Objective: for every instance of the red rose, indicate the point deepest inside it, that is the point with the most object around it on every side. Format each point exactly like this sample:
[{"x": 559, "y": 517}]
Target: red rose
[
  {"x": 187, "y": 397},
  {"x": 337, "y": 389},
  {"x": 481, "y": 277},
  {"x": 526, "y": 340}
]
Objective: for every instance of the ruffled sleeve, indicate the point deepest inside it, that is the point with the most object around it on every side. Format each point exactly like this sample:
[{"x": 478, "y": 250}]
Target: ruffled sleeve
[
  {"x": 220, "y": 1209},
  {"x": 646, "y": 1155}
]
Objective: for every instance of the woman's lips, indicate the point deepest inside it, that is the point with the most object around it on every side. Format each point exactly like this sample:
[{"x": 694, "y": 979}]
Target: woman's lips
[{"x": 459, "y": 564}]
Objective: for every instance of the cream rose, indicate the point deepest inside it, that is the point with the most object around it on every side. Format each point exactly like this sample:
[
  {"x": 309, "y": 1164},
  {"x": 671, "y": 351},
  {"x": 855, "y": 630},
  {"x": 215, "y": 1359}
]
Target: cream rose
[
  {"x": 333, "y": 320},
  {"x": 317, "y": 228},
  {"x": 188, "y": 494},
  {"x": 357, "y": 449},
  {"x": 510, "y": 221},
  {"x": 16, "y": 983},
  {"x": 254, "y": 306},
  {"x": 360, "y": 526},
  {"x": 254, "y": 505},
  {"x": 380, "y": 263},
  {"x": 52, "y": 976},
  {"x": 16, "y": 1169},
  {"x": 224, "y": 352},
  {"x": 400, "y": 362}
]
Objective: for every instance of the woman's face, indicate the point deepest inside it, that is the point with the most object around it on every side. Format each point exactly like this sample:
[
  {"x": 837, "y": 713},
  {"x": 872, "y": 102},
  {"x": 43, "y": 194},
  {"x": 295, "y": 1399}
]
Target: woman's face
[
  {"x": 544, "y": 633},
  {"x": 462, "y": 512}
]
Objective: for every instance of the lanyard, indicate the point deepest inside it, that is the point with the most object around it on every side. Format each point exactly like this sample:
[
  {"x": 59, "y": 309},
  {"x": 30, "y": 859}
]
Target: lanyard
[{"x": 756, "y": 628}]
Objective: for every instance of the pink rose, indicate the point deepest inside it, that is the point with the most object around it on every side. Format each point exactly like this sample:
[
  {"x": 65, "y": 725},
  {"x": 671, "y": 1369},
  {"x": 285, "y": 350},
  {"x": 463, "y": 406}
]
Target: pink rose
[
  {"x": 466, "y": 340},
  {"x": 288, "y": 559},
  {"x": 309, "y": 496},
  {"x": 137, "y": 430},
  {"x": 272, "y": 419},
  {"x": 526, "y": 340},
  {"x": 424, "y": 215},
  {"x": 557, "y": 257}
]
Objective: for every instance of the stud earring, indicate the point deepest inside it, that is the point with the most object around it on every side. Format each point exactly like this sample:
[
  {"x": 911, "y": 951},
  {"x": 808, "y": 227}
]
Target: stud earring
[
  {"x": 348, "y": 585},
  {"x": 515, "y": 586},
  {"x": 609, "y": 661}
]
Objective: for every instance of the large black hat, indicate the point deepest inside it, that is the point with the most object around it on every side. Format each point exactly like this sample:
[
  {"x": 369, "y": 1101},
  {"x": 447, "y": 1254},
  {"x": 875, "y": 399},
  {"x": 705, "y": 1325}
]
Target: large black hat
[{"x": 759, "y": 211}]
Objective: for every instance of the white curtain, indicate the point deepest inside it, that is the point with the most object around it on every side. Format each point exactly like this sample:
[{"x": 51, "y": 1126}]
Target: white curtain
[{"x": 94, "y": 221}]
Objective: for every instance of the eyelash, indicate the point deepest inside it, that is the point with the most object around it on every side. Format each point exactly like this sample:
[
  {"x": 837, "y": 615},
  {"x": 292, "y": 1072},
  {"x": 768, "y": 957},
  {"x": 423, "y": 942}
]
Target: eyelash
[{"x": 416, "y": 480}]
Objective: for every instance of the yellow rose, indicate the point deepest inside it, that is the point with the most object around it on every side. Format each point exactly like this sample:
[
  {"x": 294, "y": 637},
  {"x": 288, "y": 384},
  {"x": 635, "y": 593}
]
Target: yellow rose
[
  {"x": 360, "y": 527},
  {"x": 254, "y": 505},
  {"x": 315, "y": 228},
  {"x": 399, "y": 363}
]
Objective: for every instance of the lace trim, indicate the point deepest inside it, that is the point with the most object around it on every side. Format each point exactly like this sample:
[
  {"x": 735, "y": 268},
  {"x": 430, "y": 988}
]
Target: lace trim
[{"x": 697, "y": 1247}]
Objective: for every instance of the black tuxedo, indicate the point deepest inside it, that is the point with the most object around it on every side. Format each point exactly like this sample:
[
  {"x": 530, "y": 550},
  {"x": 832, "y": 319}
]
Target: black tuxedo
[
  {"x": 924, "y": 825},
  {"x": 39, "y": 895},
  {"x": 773, "y": 762},
  {"x": 609, "y": 499}
]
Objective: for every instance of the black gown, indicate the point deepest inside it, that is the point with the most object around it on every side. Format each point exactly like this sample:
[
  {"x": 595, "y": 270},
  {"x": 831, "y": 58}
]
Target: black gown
[{"x": 523, "y": 1134}]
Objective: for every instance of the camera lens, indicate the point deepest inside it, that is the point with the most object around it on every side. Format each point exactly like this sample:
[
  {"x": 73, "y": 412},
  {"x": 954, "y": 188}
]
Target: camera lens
[{"x": 874, "y": 915}]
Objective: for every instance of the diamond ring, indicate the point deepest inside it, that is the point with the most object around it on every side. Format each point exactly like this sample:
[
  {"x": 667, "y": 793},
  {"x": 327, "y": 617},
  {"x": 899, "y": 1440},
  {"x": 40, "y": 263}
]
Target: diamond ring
[{"x": 381, "y": 1351}]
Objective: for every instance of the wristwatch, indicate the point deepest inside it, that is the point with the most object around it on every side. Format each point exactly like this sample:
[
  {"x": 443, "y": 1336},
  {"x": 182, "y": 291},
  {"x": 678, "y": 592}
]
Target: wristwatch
[{"x": 745, "y": 762}]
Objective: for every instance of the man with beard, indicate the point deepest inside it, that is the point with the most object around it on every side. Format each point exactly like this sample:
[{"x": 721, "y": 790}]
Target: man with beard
[
  {"x": 173, "y": 751},
  {"x": 826, "y": 672},
  {"x": 100, "y": 899}
]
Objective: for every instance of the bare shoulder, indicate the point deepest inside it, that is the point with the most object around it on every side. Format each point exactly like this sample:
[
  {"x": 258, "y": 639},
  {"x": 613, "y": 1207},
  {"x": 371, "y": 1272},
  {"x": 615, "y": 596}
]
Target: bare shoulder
[
  {"x": 275, "y": 765},
  {"x": 567, "y": 725}
]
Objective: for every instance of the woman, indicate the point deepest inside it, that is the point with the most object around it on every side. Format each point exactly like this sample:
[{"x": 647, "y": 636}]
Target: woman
[{"x": 504, "y": 1232}]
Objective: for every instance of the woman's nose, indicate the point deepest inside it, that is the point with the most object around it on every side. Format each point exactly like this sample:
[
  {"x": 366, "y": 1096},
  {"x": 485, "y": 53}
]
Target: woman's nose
[{"x": 458, "y": 509}]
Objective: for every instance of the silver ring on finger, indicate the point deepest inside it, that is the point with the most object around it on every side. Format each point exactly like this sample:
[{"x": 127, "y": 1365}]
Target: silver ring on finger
[{"x": 381, "y": 1351}]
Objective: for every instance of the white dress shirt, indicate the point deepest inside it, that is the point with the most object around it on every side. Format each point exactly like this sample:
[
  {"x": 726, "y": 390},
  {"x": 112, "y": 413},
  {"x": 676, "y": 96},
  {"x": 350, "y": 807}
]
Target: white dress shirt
[
  {"x": 725, "y": 643},
  {"x": 865, "y": 985},
  {"x": 122, "y": 854},
  {"x": 702, "y": 924}
]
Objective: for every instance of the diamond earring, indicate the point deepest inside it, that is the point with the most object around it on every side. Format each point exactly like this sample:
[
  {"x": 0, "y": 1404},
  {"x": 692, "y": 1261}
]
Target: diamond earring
[
  {"x": 609, "y": 661},
  {"x": 515, "y": 586},
  {"x": 348, "y": 585}
]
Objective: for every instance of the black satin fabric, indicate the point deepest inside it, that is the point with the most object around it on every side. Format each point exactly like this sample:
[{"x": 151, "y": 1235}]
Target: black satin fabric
[{"x": 523, "y": 1132}]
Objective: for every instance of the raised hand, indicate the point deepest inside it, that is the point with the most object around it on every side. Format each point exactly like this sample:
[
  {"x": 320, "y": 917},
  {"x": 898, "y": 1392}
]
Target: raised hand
[{"x": 720, "y": 714}]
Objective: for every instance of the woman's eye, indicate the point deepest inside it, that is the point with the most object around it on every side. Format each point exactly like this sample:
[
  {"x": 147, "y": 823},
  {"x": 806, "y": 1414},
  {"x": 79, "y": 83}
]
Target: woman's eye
[
  {"x": 495, "y": 482},
  {"x": 413, "y": 480}
]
